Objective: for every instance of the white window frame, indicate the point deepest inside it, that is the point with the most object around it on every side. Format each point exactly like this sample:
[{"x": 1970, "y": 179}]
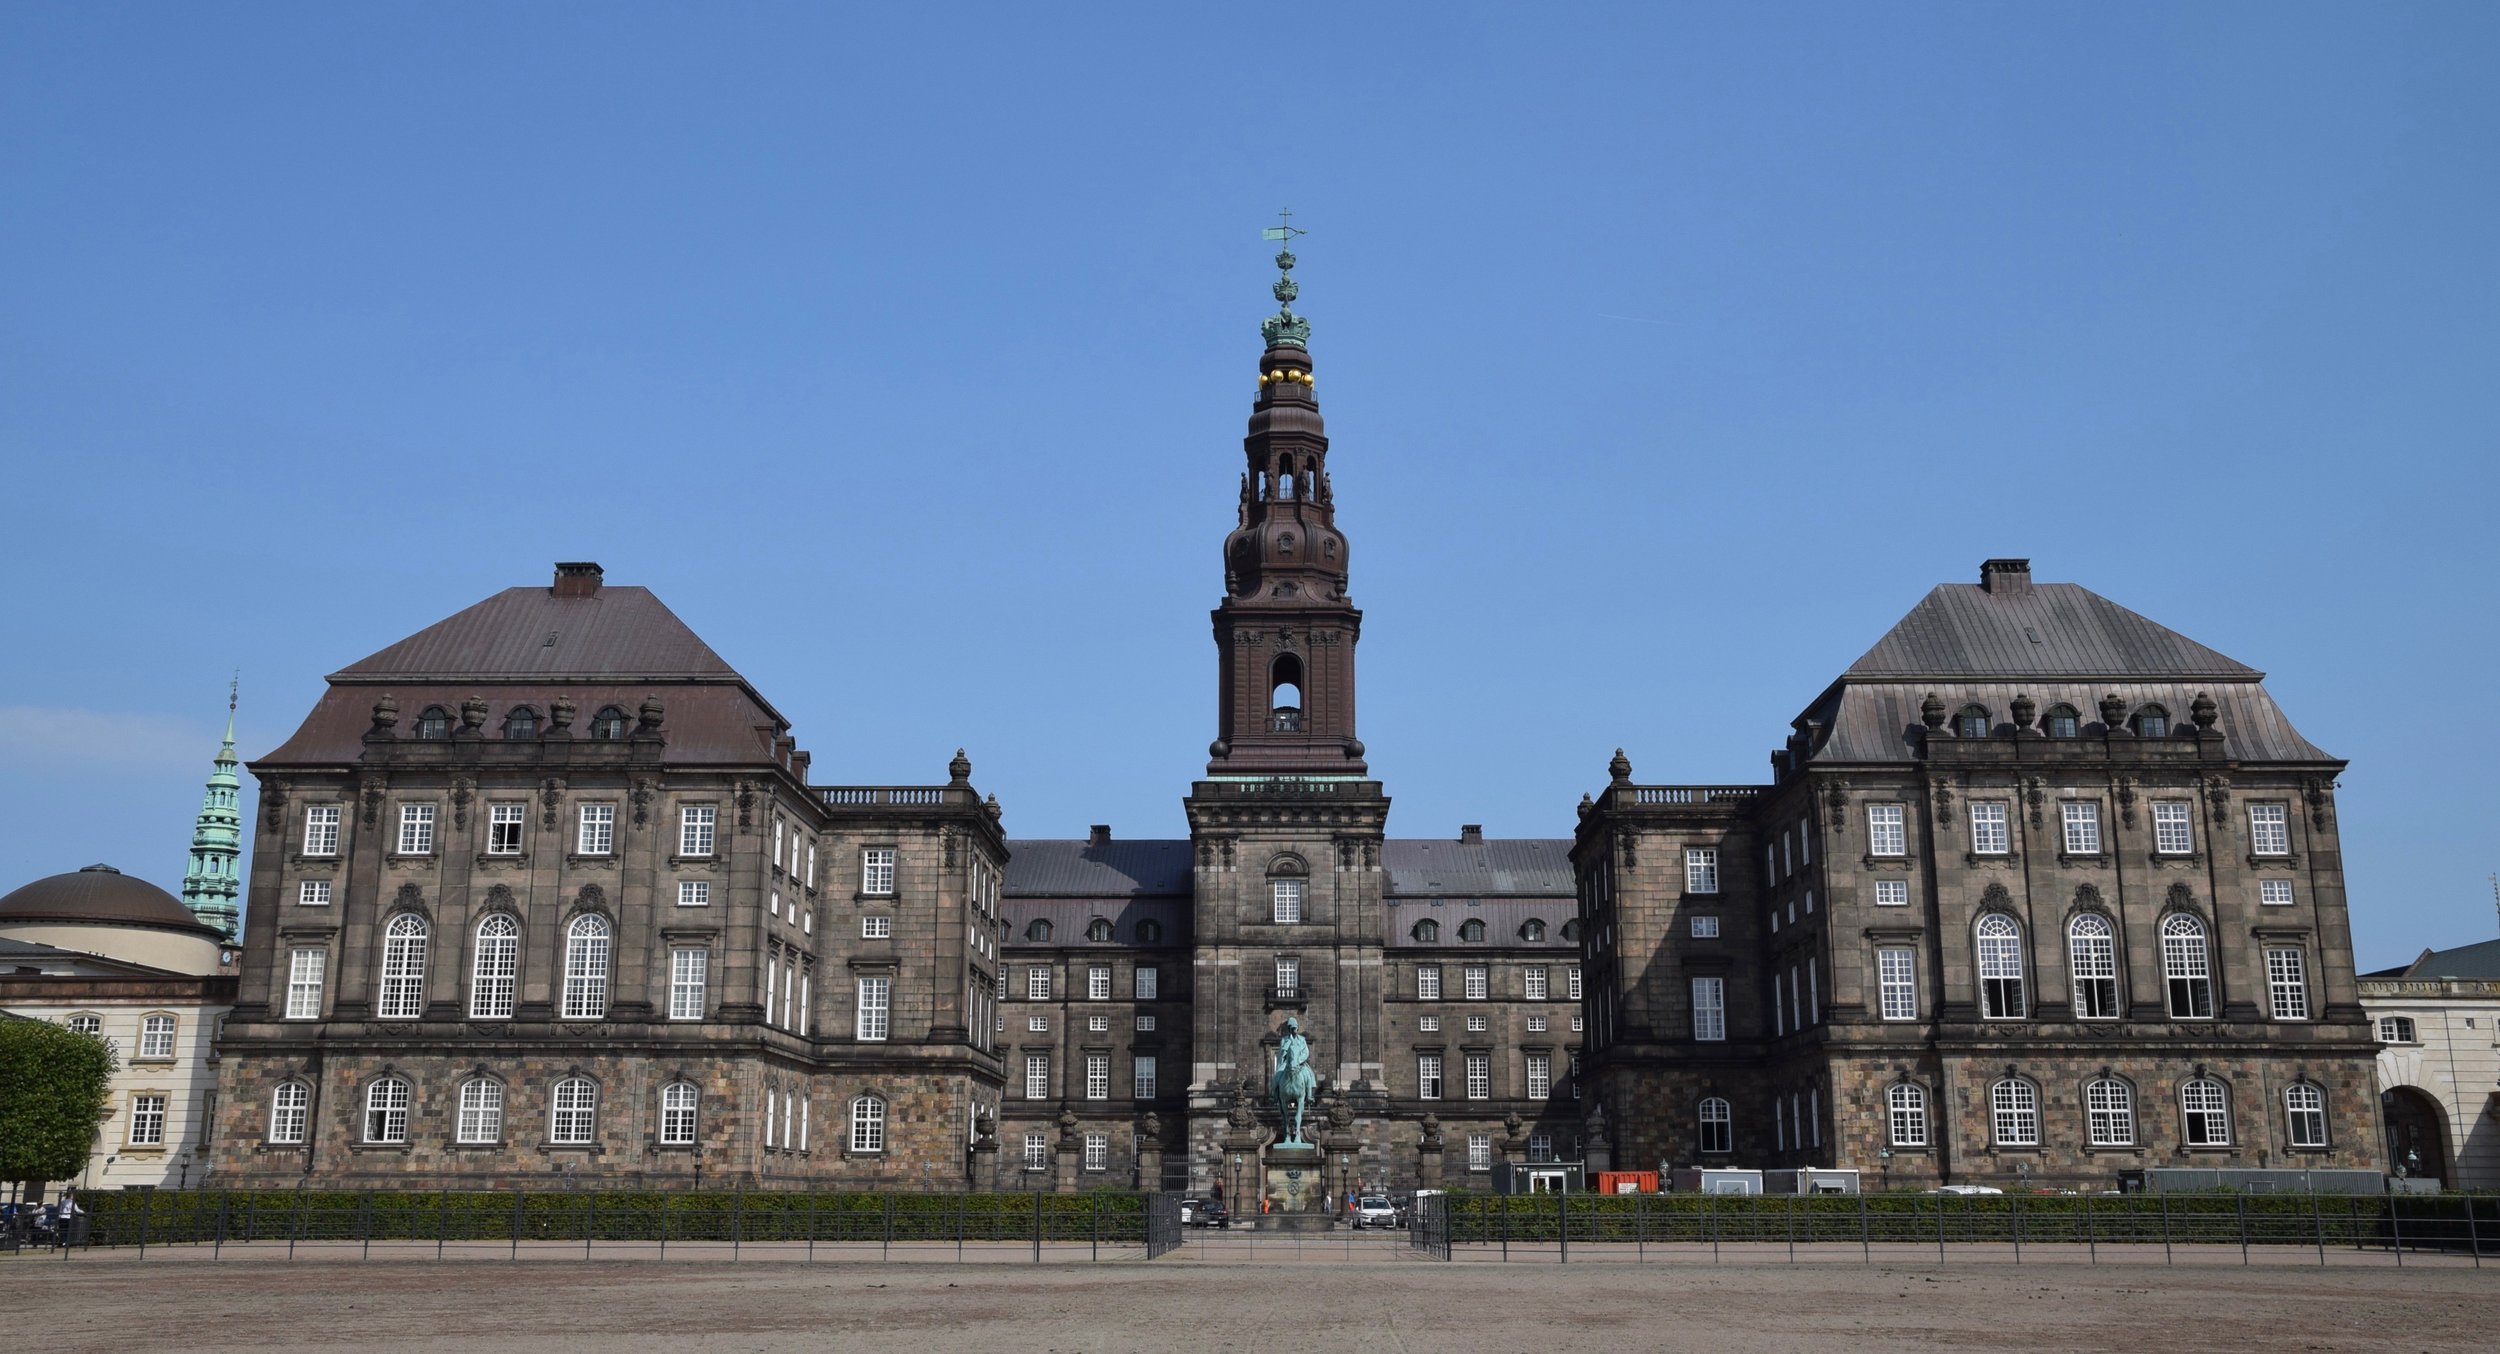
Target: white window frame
[
  {"x": 2003, "y": 993},
  {"x": 2269, "y": 830},
  {"x": 416, "y": 830},
  {"x": 494, "y": 967},
  {"x": 2304, "y": 1115},
  {"x": 2287, "y": 982},
  {"x": 156, "y": 1036},
  {"x": 1479, "y": 1076},
  {"x": 1710, "y": 1010},
  {"x": 694, "y": 893},
  {"x": 386, "y": 1110},
  {"x": 689, "y": 981},
  {"x": 867, "y": 1124},
  {"x": 2274, "y": 893},
  {"x": 321, "y": 829},
  {"x": 680, "y": 1104},
  {"x": 589, "y": 953},
  {"x": 1036, "y": 1152},
  {"x": 1427, "y": 982},
  {"x": 2014, "y": 1113},
  {"x": 480, "y": 1115},
  {"x": 313, "y": 893},
  {"x": 1886, "y": 832},
  {"x": 1905, "y": 1113},
  {"x": 2205, "y": 1112},
  {"x": 307, "y": 971},
  {"x": 2398, "y": 1030},
  {"x": 1098, "y": 982},
  {"x": 876, "y": 1008},
  {"x": 1540, "y": 1076},
  {"x": 594, "y": 832},
  {"x": 1037, "y": 1076},
  {"x": 1037, "y": 983},
  {"x": 1701, "y": 869},
  {"x": 1428, "y": 1084},
  {"x": 1098, "y": 1076},
  {"x": 875, "y": 926},
  {"x": 1097, "y": 1152},
  {"x": 2092, "y": 967},
  {"x": 2174, "y": 827},
  {"x": 1896, "y": 978},
  {"x": 1892, "y": 893},
  {"x": 1715, "y": 1126},
  {"x": 876, "y": 871},
  {"x": 1705, "y": 926},
  {"x": 1991, "y": 830},
  {"x": 1477, "y": 980},
  {"x": 2109, "y": 1113},
  {"x": 1479, "y": 1151},
  {"x": 402, "y": 994},
  {"x": 573, "y": 1112},
  {"x": 1476, "y": 1024},
  {"x": 1532, "y": 982},
  {"x": 147, "y": 1119},
  {"x": 500, "y": 816},
  {"x": 2187, "y": 968},
  {"x": 1430, "y": 1024},
  {"x": 1149, "y": 982},
  {"x": 2082, "y": 821},
  {"x": 1285, "y": 901},
  {"x": 290, "y": 1109},
  {"x": 1288, "y": 975},
  {"x": 1143, "y": 1070},
  {"x": 698, "y": 829}
]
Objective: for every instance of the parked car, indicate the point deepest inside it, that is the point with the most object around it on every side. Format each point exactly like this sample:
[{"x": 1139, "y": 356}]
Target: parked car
[
  {"x": 1375, "y": 1210},
  {"x": 1205, "y": 1213}
]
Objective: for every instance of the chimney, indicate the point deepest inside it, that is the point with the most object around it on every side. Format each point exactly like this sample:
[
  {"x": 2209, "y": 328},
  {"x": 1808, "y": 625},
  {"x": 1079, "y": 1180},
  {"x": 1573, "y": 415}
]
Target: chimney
[
  {"x": 578, "y": 579},
  {"x": 1100, "y": 836},
  {"x": 2010, "y": 577},
  {"x": 1471, "y": 834}
]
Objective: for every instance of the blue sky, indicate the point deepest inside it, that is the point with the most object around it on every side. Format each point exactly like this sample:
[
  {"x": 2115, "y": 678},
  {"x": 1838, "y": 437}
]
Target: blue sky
[{"x": 1669, "y": 354}]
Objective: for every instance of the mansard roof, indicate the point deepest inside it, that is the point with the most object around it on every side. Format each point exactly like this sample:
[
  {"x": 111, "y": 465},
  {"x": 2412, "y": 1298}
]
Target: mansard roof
[
  {"x": 538, "y": 633},
  {"x": 1974, "y": 630},
  {"x": 1145, "y": 867},
  {"x": 1538, "y": 866}
]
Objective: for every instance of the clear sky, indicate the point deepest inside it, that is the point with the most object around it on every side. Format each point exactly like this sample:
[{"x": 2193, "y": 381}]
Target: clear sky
[{"x": 1669, "y": 354}]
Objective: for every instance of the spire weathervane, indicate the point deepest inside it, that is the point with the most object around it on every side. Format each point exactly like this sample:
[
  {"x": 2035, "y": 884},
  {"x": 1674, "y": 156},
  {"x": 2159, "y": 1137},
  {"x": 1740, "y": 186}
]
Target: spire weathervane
[{"x": 1284, "y": 326}]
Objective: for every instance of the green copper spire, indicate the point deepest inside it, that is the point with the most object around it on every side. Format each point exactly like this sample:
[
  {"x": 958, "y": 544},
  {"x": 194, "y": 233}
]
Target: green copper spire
[
  {"x": 1284, "y": 326},
  {"x": 215, "y": 879}
]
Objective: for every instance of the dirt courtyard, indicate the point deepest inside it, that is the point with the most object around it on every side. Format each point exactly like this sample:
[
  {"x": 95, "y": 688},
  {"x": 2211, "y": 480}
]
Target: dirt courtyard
[{"x": 112, "y": 1304}]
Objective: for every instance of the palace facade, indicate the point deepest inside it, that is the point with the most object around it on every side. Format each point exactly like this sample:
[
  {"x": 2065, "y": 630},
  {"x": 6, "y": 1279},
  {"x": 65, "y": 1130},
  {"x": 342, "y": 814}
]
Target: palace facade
[{"x": 2039, "y": 890}]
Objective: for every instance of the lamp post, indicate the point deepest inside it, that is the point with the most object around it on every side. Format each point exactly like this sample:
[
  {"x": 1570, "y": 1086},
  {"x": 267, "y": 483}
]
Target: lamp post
[{"x": 1884, "y": 1155}]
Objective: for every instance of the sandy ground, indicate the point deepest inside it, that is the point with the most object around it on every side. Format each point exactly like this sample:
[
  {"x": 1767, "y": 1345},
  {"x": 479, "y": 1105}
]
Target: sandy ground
[{"x": 1383, "y": 1300}]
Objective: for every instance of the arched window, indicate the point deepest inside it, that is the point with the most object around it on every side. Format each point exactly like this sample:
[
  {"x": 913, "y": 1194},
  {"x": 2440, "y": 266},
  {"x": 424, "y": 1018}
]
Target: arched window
[
  {"x": 2205, "y": 1108},
  {"x": 1038, "y": 932},
  {"x": 481, "y": 1110},
  {"x": 586, "y": 968},
  {"x": 2152, "y": 722},
  {"x": 573, "y": 1112},
  {"x": 2092, "y": 961},
  {"x": 2014, "y": 1106},
  {"x": 521, "y": 722},
  {"x": 386, "y": 1110},
  {"x": 1284, "y": 699},
  {"x": 2000, "y": 968},
  {"x": 1427, "y": 932},
  {"x": 2304, "y": 1106},
  {"x": 496, "y": 969},
  {"x": 1098, "y": 930},
  {"x": 403, "y": 968},
  {"x": 156, "y": 1036},
  {"x": 1718, "y": 1128},
  {"x": 435, "y": 722},
  {"x": 677, "y": 1102},
  {"x": 868, "y": 1124},
  {"x": 1973, "y": 722},
  {"x": 1533, "y": 930},
  {"x": 2109, "y": 1113},
  {"x": 1571, "y": 930},
  {"x": 609, "y": 723},
  {"x": 1471, "y": 930},
  {"x": 288, "y": 1106},
  {"x": 1907, "y": 1103},
  {"x": 1284, "y": 477},
  {"x": 2062, "y": 721},
  {"x": 2187, "y": 967},
  {"x": 1149, "y": 933}
]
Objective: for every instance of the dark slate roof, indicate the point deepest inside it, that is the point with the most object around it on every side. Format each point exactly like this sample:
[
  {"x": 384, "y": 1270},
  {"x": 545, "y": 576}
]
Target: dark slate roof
[
  {"x": 1081, "y": 869},
  {"x": 67, "y": 963},
  {"x": 1068, "y": 918},
  {"x": 99, "y": 895},
  {"x": 1539, "y": 866},
  {"x": 1880, "y": 722},
  {"x": 2478, "y": 960},
  {"x": 2036, "y": 630},
  {"x": 1502, "y": 918},
  {"x": 613, "y": 632}
]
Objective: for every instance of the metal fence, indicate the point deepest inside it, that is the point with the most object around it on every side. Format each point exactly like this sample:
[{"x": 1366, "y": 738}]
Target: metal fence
[
  {"x": 2084, "y": 1228},
  {"x": 617, "y": 1224}
]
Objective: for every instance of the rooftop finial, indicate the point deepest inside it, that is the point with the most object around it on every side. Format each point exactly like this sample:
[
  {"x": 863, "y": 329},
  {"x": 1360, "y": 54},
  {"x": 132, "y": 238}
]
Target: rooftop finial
[{"x": 1284, "y": 326}]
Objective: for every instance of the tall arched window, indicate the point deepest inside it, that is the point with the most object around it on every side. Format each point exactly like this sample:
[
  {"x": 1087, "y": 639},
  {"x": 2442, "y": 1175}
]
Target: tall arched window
[
  {"x": 2205, "y": 1108},
  {"x": 2000, "y": 968},
  {"x": 434, "y": 722},
  {"x": 1284, "y": 686},
  {"x": 2092, "y": 961},
  {"x": 573, "y": 1112},
  {"x": 868, "y": 1124},
  {"x": 2109, "y": 1113},
  {"x": 1907, "y": 1104},
  {"x": 403, "y": 968},
  {"x": 386, "y": 1110},
  {"x": 609, "y": 723},
  {"x": 496, "y": 968},
  {"x": 2014, "y": 1108},
  {"x": 586, "y": 968},
  {"x": 2304, "y": 1106},
  {"x": 288, "y": 1105},
  {"x": 677, "y": 1102},
  {"x": 521, "y": 722},
  {"x": 2187, "y": 967},
  {"x": 481, "y": 1110},
  {"x": 1718, "y": 1127}
]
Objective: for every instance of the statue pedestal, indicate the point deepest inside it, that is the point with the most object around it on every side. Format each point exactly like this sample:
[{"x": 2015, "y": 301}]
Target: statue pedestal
[{"x": 1294, "y": 1181}]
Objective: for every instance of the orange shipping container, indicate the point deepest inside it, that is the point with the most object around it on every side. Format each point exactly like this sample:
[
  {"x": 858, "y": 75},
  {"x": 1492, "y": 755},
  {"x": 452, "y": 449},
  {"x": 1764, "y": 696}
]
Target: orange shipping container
[{"x": 1627, "y": 1182}]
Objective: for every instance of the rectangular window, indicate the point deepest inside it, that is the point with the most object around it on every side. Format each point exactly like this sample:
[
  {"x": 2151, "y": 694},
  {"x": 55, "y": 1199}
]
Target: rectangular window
[
  {"x": 811, "y": 865},
  {"x": 147, "y": 1120},
  {"x": 503, "y": 829},
  {"x": 1540, "y": 1147},
  {"x": 2305, "y": 1106},
  {"x": 876, "y": 996},
  {"x": 1098, "y": 983},
  {"x": 416, "y": 829},
  {"x": 1142, "y": 1069},
  {"x": 1098, "y": 1076},
  {"x": 315, "y": 893},
  {"x": 2287, "y": 983},
  {"x": 2083, "y": 828},
  {"x": 1036, "y": 1152},
  {"x": 1480, "y": 1151},
  {"x": 1479, "y": 1076},
  {"x": 1430, "y": 1024},
  {"x": 1146, "y": 1022},
  {"x": 1037, "y": 1076},
  {"x": 1705, "y": 928},
  {"x": 2274, "y": 892},
  {"x": 2395, "y": 1029},
  {"x": 1098, "y": 1023},
  {"x": 1701, "y": 870},
  {"x": 1896, "y": 975},
  {"x": 1533, "y": 980},
  {"x": 688, "y": 970},
  {"x": 597, "y": 835},
  {"x": 876, "y": 871},
  {"x": 694, "y": 893},
  {"x": 1884, "y": 833},
  {"x": 695, "y": 823},
  {"x": 1285, "y": 900},
  {"x": 303, "y": 983},
  {"x": 1536, "y": 1024},
  {"x": 1988, "y": 835},
  {"x": 1149, "y": 982},
  {"x": 1288, "y": 977},
  {"x": 156, "y": 1037},
  {"x": 1710, "y": 1009},
  {"x": 1098, "y": 1151},
  {"x": 2174, "y": 831},
  {"x": 1476, "y": 1024},
  {"x": 1037, "y": 1024},
  {"x": 2269, "y": 830},
  {"x": 1477, "y": 987},
  {"x": 1571, "y": 982},
  {"x": 1428, "y": 1075},
  {"x": 1540, "y": 1075},
  {"x": 1428, "y": 982},
  {"x": 876, "y": 928},
  {"x": 321, "y": 830},
  {"x": 1037, "y": 984},
  {"x": 1892, "y": 893}
]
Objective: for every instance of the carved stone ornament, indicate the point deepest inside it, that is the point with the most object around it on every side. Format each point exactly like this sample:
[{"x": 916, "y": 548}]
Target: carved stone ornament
[
  {"x": 2113, "y": 713},
  {"x": 653, "y": 715},
  {"x": 953, "y": 845},
  {"x": 550, "y": 798},
  {"x": 1587, "y": 805},
  {"x": 273, "y": 797},
  {"x": 592, "y": 898},
  {"x": 499, "y": 898},
  {"x": 1595, "y": 1126},
  {"x": 1931, "y": 711},
  {"x": 385, "y": 716},
  {"x": 1995, "y": 896},
  {"x": 560, "y": 712},
  {"x": 1619, "y": 769},
  {"x": 2025, "y": 710},
  {"x": 2087, "y": 896},
  {"x": 746, "y": 806},
  {"x": 463, "y": 790},
  {"x": 984, "y": 1124},
  {"x": 1431, "y": 1127},
  {"x": 1340, "y": 1112},
  {"x": 2313, "y": 792},
  {"x": 473, "y": 713},
  {"x": 1629, "y": 851},
  {"x": 959, "y": 769},
  {"x": 2218, "y": 797},
  {"x": 641, "y": 795},
  {"x": 372, "y": 792},
  {"x": 1836, "y": 805},
  {"x": 1944, "y": 807},
  {"x": 2126, "y": 800},
  {"x": 1067, "y": 1125},
  {"x": 1226, "y": 847},
  {"x": 990, "y": 806},
  {"x": 2036, "y": 797},
  {"x": 1241, "y": 1115},
  {"x": 1513, "y": 1125},
  {"x": 2180, "y": 898},
  {"x": 410, "y": 898},
  {"x": 2204, "y": 711}
]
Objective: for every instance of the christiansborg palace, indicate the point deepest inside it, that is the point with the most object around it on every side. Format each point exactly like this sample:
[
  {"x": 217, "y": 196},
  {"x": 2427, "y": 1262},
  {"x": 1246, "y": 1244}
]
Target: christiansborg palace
[{"x": 2038, "y": 888}]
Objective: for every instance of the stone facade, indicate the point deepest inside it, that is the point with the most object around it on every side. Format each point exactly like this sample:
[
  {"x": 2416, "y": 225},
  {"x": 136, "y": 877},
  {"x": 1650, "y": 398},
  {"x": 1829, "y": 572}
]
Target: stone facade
[{"x": 2438, "y": 1023}]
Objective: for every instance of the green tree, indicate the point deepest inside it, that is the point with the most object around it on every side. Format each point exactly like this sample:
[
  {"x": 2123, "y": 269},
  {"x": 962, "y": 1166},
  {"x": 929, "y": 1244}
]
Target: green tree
[{"x": 54, "y": 1083}]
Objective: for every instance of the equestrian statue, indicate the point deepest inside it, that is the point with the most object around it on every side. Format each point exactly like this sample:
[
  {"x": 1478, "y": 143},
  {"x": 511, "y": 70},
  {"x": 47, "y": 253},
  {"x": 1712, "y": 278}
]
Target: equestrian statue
[{"x": 1293, "y": 1084}]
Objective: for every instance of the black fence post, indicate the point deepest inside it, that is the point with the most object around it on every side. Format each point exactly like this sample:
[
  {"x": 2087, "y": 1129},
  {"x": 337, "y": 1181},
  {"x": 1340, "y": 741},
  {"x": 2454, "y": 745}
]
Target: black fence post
[
  {"x": 1562, "y": 1209},
  {"x": 2164, "y": 1200},
  {"x": 145, "y": 1197},
  {"x": 1792, "y": 1229},
  {"x": 1037, "y": 1224},
  {"x": 2243, "y": 1231},
  {"x": 364, "y": 1223},
  {"x": 2396, "y": 1225},
  {"x": 2018, "y": 1225},
  {"x": 2317, "y": 1218},
  {"x": 812, "y": 1192},
  {"x": 1866, "y": 1242},
  {"x": 225, "y": 1202},
  {"x": 516, "y": 1222},
  {"x": 442, "y": 1222},
  {"x": 297, "y": 1233},
  {"x": 1940, "y": 1228},
  {"x": 2473, "y": 1230},
  {"x": 2091, "y": 1238},
  {"x": 590, "y": 1219},
  {"x": 885, "y": 1248},
  {"x": 738, "y": 1223},
  {"x": 1640, "y": 1226},
  {"x": 1098, "y": 1229}
]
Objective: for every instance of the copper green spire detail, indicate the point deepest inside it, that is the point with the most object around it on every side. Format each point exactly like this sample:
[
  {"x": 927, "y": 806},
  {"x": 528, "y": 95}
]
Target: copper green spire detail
[
  {"x": 1284, "y": 326},
  {"x": 215, "y": 880}
]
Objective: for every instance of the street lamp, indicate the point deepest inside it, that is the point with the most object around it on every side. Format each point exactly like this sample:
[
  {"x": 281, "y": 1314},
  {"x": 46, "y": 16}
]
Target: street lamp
[{"x": 1885, "y": 1156}]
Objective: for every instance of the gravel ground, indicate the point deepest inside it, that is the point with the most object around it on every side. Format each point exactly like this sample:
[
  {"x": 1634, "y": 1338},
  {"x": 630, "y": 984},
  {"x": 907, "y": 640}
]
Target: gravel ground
[{"x": 1339, "y": 1304}]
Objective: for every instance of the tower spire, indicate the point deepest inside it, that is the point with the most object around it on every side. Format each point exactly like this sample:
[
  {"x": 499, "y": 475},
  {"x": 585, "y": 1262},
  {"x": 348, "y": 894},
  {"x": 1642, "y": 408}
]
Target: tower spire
[{"x": 214, "y": 881}]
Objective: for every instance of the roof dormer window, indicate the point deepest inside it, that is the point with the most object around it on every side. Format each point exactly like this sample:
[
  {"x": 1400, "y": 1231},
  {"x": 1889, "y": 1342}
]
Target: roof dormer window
[
  {"x": 434, "y": 723},
  {"x": 1973, "y": 722},
  {"x": 522, "y": 722},
  {"x": 1098, "y": 930},
  {"x": 609, "y": 723},
  {"x": 1038, "y": 932},
  {"x": 2152, "y": 722},
  {"x": 2062, "y": 721}
]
